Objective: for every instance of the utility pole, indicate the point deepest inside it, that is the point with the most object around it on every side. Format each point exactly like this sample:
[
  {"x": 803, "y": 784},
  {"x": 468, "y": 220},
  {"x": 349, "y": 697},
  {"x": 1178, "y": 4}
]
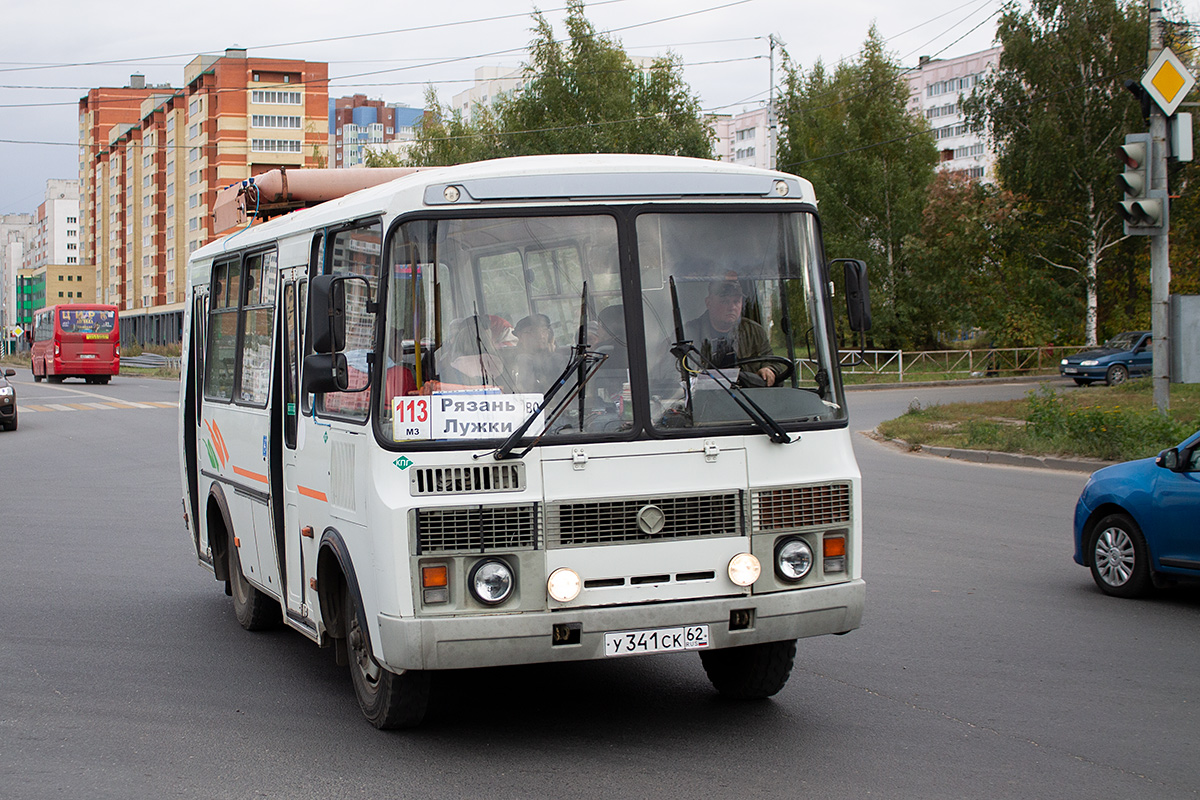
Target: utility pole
[
  {"x": 772, "y": 117},
  {"x": 1160, "y": 264}
]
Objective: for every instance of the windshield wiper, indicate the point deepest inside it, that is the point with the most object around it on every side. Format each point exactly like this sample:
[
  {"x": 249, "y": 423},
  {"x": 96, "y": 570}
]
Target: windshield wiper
[
  {"x": 683, "y": 347},
  {"x": 583, "y": 361}
]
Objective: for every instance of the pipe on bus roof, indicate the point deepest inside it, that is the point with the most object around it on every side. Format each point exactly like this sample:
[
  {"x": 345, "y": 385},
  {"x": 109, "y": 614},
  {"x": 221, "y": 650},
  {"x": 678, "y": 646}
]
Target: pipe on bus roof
[{"x": 281, "y": 190}]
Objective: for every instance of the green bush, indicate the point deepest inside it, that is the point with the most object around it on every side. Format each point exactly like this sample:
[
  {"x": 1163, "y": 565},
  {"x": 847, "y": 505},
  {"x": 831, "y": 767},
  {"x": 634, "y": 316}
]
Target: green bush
[{"x": 1114, "y": 433}]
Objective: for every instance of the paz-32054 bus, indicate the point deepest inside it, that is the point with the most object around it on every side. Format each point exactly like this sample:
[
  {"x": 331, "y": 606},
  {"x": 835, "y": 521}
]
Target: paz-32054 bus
[{"x": 529, "y": 410}]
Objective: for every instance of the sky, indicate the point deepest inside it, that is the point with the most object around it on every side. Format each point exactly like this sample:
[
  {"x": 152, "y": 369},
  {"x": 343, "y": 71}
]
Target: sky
[{"x": 55, "y": 50}]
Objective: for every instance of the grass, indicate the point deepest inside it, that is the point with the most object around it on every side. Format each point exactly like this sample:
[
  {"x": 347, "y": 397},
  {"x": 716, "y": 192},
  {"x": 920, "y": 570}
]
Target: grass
[{"x": 1109, "y": 423}]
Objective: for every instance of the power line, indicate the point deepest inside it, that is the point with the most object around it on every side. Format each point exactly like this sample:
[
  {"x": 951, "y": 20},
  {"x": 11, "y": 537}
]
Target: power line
[{"x": 346, "y": 37}]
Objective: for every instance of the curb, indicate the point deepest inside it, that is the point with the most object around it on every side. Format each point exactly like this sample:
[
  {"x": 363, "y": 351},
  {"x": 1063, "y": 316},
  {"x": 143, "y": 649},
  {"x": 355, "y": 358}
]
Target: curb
[{"x": 1084, "y": 465}]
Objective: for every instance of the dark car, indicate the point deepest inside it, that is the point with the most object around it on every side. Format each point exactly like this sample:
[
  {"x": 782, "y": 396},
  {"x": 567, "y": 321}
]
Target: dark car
[
  {"x": 8, "y": 401},
  {"x": 1136, "y": 523},
  {"x": 1124, "y": 356}
]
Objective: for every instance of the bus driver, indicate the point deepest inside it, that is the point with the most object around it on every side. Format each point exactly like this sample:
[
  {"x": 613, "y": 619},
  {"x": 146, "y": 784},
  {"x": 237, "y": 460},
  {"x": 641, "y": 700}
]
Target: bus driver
[{"x": 724, "y": 337}]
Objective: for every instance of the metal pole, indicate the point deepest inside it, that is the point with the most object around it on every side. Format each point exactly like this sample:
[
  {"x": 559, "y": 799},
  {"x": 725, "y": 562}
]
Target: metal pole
[
  {"x": 1160, "y": 264},
  {"x": 772, "y": 119}
]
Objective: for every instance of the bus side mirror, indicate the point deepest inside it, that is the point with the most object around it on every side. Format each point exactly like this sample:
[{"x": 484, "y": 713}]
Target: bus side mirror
[
  {"x": 858, "y": 294},
  {"x": 326, "y": 372},
  {"x": 327, "y": 304}
]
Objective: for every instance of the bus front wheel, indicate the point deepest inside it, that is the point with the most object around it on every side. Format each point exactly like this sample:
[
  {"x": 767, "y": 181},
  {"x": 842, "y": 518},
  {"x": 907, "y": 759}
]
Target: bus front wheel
[
  {"x": 253, "y": 609},
  {"x": 388, "y": 699},
  {"x": 750, "y": 672}
]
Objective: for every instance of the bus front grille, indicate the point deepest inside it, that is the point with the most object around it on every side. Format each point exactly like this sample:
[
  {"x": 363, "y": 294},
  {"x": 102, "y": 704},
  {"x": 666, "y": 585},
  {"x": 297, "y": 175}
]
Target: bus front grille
[
  {"x": 476, "y": 529},
  {"x": 471, "y": 479},
  {"x": 643, "y": 519},
  {"x": 800, "y": 506}
]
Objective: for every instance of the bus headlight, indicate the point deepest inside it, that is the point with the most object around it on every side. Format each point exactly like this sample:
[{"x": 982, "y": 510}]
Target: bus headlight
[
  {"x": 564, "y": 584},
  {"x": 491, "y": 582},
  {"x": 793, "y": 559},
  {"x": 744, "y": 569}
]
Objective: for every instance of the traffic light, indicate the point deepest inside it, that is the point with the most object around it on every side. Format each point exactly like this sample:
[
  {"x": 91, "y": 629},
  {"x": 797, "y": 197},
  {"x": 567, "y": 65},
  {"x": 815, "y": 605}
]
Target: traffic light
[{"x": 1143, "y": 209}]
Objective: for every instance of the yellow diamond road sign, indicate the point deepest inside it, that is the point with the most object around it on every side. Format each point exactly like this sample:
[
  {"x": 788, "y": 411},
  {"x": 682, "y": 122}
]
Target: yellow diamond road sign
[{"x": 1168, "y": 81}]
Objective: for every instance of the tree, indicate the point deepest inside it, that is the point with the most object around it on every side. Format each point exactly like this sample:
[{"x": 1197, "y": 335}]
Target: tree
[
  {"x": 1056, "y": 111},
  {"x": 970, "y": 269},
  {"x": 584, "y": 97},
  {"x": 870, "y": 162}
]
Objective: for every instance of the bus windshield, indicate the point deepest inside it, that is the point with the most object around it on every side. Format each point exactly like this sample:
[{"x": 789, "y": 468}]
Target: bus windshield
[
  {"x": 740, "y": 291},
  {"x": 86, "y": 320},
  {"x": 485, "y": 315},
  {"x": 496, "y": 306}
]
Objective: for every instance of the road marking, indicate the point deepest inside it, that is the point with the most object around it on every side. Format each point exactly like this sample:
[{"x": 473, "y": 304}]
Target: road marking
[{"x": 110, "y": 405}]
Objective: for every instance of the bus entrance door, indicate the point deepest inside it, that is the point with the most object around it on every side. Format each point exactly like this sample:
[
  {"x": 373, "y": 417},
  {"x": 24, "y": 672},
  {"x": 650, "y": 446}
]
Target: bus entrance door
[{"x": 298, "y": 541}]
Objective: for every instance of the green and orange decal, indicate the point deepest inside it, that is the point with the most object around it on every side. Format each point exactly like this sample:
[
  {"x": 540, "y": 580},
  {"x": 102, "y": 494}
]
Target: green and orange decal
[{"x": 218, "y": 454}]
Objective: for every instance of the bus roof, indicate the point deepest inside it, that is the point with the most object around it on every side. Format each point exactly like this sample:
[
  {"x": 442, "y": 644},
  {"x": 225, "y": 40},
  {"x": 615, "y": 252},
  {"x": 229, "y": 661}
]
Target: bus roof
[{"x": 535, "y": 179}]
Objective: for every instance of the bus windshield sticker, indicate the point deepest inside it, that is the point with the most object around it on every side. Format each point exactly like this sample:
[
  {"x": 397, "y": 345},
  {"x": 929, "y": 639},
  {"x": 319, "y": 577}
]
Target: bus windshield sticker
[{"x": 462, "y": 415}]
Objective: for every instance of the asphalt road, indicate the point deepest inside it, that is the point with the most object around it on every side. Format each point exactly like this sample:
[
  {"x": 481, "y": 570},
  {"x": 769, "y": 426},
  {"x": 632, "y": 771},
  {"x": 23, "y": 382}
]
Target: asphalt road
[{"x": 987, "y": 666}]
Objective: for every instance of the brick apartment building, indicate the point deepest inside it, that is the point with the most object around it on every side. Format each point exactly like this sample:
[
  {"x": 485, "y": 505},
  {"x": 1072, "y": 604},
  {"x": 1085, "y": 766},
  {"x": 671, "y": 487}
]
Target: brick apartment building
[{"x": 154, "y": 158}]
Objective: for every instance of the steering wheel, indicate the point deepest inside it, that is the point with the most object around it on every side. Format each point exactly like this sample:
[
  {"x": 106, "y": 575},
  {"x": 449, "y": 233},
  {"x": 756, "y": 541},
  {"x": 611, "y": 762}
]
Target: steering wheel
[{"x": 789, "y": 366}]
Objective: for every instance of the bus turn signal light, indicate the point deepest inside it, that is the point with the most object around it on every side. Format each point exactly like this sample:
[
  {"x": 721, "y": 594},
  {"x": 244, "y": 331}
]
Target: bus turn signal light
[
  {"x": 435, "y": 584},
  {"x": 433, "y": 577},
  {"x": 834, "y": 550}
]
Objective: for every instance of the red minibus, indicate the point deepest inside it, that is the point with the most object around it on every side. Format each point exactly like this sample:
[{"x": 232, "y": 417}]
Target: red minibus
[{"x": 78, "y": 340}]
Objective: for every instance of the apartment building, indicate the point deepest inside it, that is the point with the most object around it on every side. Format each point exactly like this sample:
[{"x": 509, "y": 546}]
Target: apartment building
[
  {"x": 153, "y": 179},
  {"x": 936, "y": 90},
  {"x": 15, "y": 230},
  {"x": 743, "y": 138},
  {"x": 490, "y": 84},
  {"x": 46, "y": 242},
  {"x": 358, "y": 125}
]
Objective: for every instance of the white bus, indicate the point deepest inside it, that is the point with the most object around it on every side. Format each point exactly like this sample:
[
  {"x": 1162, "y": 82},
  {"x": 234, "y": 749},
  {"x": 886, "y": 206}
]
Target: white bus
[{"x": 529, "y": 410}]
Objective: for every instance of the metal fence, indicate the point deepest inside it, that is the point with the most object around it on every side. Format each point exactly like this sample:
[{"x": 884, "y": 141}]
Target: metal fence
[
  {"x": 942, "y": 364},
  {"x": 151, "y": 361}
]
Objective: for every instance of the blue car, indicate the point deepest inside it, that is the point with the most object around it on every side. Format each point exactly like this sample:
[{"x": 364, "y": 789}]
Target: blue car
[
  {"x": 1137, "y": 524},
  {"x": 1124, "y": 356}
]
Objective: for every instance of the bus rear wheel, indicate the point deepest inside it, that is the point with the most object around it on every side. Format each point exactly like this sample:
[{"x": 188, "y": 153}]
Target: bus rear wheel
[
  {"x": 389, "y": 700},
  {"x": 253, "y": 609},
  {"x": 750, "y": 672}
]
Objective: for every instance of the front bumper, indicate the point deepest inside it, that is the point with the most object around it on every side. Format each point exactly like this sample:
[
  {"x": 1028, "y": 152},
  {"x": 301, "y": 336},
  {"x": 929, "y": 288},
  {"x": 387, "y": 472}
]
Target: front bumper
[
  {"x": 1084, "y": 373},
  {"x": 8, "y": 409},
  {"x": 502, "y": 639}
]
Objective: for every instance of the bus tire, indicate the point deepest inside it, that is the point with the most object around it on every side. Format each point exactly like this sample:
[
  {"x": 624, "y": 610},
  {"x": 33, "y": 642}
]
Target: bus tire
[
  {"x": 750, "y": 672},
  {"x": 389, "y": 700},
  {"x": 253, "y": 609}
]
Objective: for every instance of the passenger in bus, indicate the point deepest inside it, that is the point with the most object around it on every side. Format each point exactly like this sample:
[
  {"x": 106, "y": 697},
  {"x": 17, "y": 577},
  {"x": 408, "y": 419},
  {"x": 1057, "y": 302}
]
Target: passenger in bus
[
  {"x": 724, "y": 337},
  {"x": 536, "y": 362},
  {"x": 502, "y": 332},
  {"x": 468, "y": 359},
  {"x": 613, "y": 373}
]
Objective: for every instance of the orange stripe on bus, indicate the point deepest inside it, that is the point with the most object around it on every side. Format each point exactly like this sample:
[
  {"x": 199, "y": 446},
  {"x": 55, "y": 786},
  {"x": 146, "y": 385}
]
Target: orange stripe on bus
[
  {"x": 245, "y": 473},
  {"x": 220, "y": 441},
  {"x": 313, "y": 493}
]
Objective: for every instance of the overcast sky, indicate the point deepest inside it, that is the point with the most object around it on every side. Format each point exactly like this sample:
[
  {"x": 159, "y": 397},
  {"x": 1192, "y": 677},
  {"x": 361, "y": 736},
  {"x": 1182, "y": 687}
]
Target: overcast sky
[{"x": 55, "y": 50}]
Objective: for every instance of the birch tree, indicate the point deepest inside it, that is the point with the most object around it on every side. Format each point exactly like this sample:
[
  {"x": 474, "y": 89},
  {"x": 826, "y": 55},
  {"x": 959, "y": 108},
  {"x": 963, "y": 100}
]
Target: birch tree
[{"x": 1056, "y": 110}]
